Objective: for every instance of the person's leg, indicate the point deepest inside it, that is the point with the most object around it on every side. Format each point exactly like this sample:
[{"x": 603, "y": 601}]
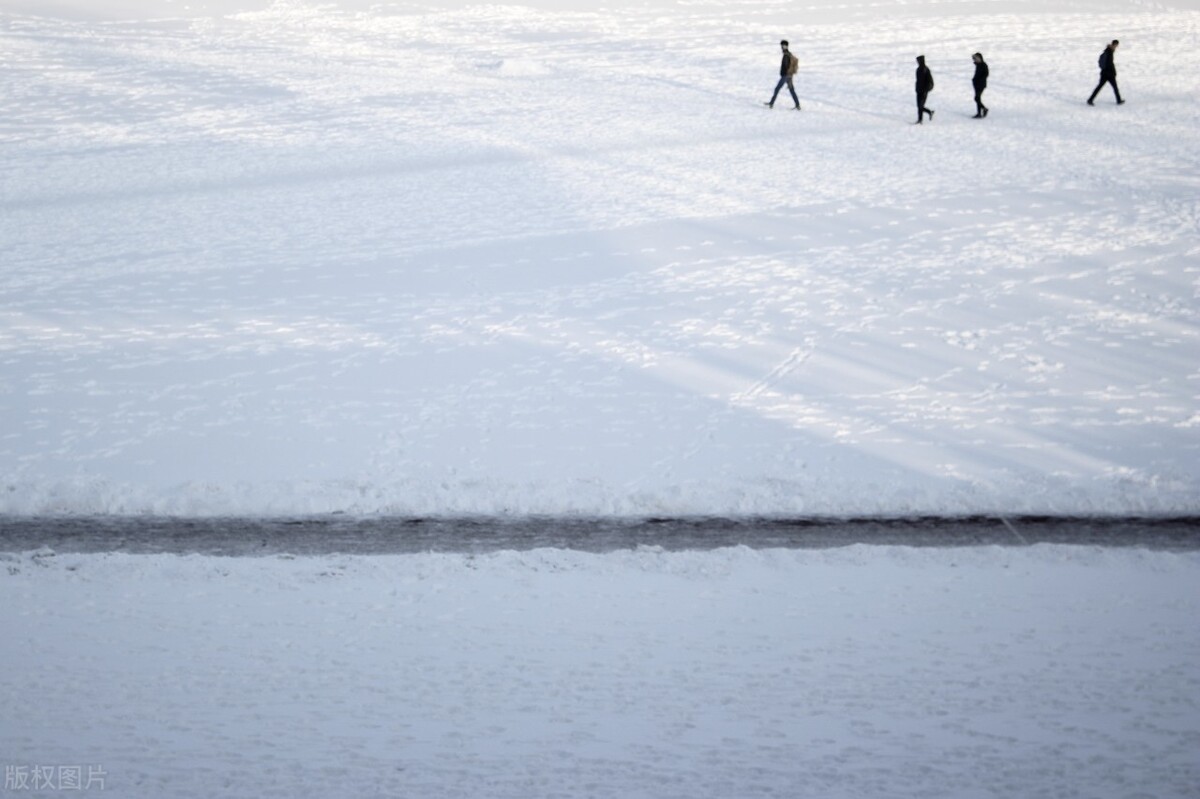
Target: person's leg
[
  {"x": 920, "y": 107},
  {"x": 1116, "y": 91},
  {"x": 778, "y": 86},
  {"x": 792, "y": 89},
  {"x": 979, "y": 103},
  {"x": 1096, "y": 90}
]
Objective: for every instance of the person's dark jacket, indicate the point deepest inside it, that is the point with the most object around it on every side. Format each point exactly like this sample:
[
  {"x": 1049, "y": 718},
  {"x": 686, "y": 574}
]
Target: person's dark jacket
[
  {"x": 924, "y": 80},
  {"x": 981, "y": 76},
  {"x": 1108, "y": 67},
  {"x": 785, "y": 64}
]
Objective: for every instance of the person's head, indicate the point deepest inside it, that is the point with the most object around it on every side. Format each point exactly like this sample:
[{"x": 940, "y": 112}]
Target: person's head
[
  {"x": 1114, "y": 44},
  {"x": 977, "y": 58},
  {"x": 921, "y": 60},
  {"x": 783, "y": 43}
]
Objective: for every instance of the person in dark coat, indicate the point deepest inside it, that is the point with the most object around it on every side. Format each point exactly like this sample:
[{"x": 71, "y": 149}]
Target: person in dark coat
[
  {"x": 1108, "y": 73},
  {"x": 980, "y": 83},
  {"x": 787, "y": 69},
  {"x": 924, "y": 87}
]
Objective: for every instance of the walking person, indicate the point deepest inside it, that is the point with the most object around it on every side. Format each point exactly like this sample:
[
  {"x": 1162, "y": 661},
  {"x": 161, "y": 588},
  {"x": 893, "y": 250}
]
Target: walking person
[
  {"x": 980, "y": 83},
  {"x": 1108, "y": 73},
  {"x": 787, "y": 70},
  {"x": 924, "y": 87}
]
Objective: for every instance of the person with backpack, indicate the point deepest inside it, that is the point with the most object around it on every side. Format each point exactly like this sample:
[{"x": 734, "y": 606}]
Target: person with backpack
[
  {"x": 924, "y": 87},
  {"x": 787, "y": 70},
  {"x": 979, "y": 81},
  {"x": 1108, "y": 73}
]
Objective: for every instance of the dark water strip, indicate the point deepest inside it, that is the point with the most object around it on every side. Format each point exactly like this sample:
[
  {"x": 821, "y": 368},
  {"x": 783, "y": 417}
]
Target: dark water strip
[{"x": 369, "y": 536}]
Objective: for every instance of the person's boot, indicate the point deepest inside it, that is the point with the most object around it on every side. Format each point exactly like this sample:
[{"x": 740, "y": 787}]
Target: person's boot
[{"x": 985, "y": 111}]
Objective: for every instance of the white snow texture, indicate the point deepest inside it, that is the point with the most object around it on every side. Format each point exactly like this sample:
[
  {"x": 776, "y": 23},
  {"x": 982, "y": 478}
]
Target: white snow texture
[
  {"x": 295, "y": 257},
  {"x": 432, "y": 258},
  {"x": 851, "y": 673},
  {"x": 300, "y": 258}
]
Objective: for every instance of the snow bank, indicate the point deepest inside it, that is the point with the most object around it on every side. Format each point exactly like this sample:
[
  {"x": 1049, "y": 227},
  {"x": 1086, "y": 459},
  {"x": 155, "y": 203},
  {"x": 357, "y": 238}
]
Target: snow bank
[
  {"x": 891, "y": 493},
  {"x": 853, "y": 672}
]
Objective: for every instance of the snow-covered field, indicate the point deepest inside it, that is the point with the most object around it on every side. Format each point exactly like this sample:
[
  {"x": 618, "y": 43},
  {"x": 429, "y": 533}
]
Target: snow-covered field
[
  {"x": 1046, "y": 671},
  {"x": 285, "y": 258},
  {"x": 282, "y": 257}
]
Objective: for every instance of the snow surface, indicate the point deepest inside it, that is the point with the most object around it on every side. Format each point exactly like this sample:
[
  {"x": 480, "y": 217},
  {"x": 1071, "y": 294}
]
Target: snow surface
[
  {"x": 1045, "y": 671},
  {"x": 289, "y": 257},
  {"x": 294, "y": 257}
]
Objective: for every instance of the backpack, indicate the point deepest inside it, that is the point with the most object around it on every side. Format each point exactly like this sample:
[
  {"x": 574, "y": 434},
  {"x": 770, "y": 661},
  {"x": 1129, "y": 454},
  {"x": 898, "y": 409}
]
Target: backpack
[{"x": 793, "y": 64}]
